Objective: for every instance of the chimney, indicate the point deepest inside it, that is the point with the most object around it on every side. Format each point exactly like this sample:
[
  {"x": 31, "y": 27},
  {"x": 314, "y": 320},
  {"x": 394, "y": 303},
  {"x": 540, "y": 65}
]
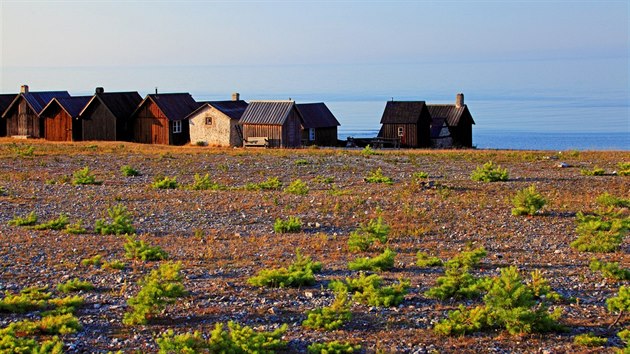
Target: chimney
[
  {"x": 24, "y": 89},
  {"x": 100, "y": 90},
  {"x": 156, "y": 90},
  {"x": 236, "y": 96},
  {"x": 459, "y": 100}
]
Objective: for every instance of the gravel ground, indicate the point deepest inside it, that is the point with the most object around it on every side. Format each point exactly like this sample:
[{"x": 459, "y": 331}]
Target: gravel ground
[{"x": 223, "y": 237}]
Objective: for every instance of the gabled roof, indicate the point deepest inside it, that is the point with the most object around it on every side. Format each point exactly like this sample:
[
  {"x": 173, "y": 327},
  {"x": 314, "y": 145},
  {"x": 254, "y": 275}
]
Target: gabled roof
[
  {"x": 121, "y": 104},
  {"x": 450, "y": 112},
  {"x": 175, "y": 106},
  {"x": 72, "y": 105},
  {"x": 402, "y": 112},
  {"x": 232, "y": 109},
  {"x": 267, "y": 112},
  {"x": 317, "y": 115},
  {"x": 5, "y": 101},
  {"x": 37, "y": 100}
]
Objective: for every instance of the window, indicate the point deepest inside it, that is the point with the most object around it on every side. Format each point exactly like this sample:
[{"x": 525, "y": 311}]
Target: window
[
  {"x": 208, "y": 120},
  {"x": 177, "y": 126},
  {"x": 311, "y": 134},
  {"x": 400, "y": 131}
]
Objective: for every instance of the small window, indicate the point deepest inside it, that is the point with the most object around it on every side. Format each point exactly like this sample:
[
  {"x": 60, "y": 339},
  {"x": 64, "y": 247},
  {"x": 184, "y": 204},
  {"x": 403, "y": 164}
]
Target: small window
[
  {"x": 311, "y": 134},
  {"x": 208, "y": 120},
  {"x": 400, "y": 131},
  {"x": 177, "y": 126}
]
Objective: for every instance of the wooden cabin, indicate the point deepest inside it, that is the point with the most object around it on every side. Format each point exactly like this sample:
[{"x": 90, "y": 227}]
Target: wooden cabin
[
  {"x": 107, "y": 115},
  {"x": 457, "y": 118},
  {"x": 272, "y": 124},
  {"x": 5, "y": 101},
  {"x": 161, "y": 119},
  {"x": 61, "y": 122},
  {"x": 22, "y": 115},
  {"x": 320, "y": 125},
  {"x": 216, "y": 123},
  {"x": 406, "y": 122}
]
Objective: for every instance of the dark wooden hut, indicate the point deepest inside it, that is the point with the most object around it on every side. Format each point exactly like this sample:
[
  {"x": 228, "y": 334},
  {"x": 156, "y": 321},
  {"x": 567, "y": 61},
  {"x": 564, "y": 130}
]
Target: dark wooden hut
[
  {"x": 277, "y": 123},
  {"x": 320, "y": 125},
  {"x": 408, "y": 122},
  {"x": 107, "y": 115},
  {"x": 60, "y": 118},
  {"x": 22, "y": 115},
  {"x": 458, "y": 119},
  {"x": 5, "y": 101},
  {"x": 160, "y": 119}
]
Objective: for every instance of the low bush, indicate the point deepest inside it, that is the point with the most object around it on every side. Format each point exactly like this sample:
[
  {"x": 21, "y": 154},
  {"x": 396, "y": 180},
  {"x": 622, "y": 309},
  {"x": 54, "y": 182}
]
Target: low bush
[
  {"x": 237, "y": 339},
  {"x": 325, "y": 179},
  {"x": 297, "y": 187},
  {"x": 138, "y": 249},
  {"x": 73, "y": 285},
  {"x": 291, "y": 225},
  {"x": 129, "y": 171},
  {"x": 378, "y": 177},
  {"x": 12, "y": 343},
  {"x": 300, "y": 273},
  {"x": 119, "y": 222},
  {"x": 599, "y": 233},
  {"x": 608, "y": 200},
  {"x": 458, "y": 282},
  {"x": 424, "y": 260},
  {"x": 369, "y": 290},
  {"x": 55, "y": 324},
  {"x": 368, "y": 151},
  {"x": 589, "y": 340},
  {"x": 76, "y": 228},
  {"x": 57, "y": 224},
  {"x": 161, "y": 287},
  {"x": 272, "y": 183},
  {"x": 28, "y": 299},
  {"x": 164, "y": 182},
  {"x": 625, "y": 337},
  {"x": 596, "y": 171},
  {"x": 66, "y": 304},
  {"x": 379, "y": 263},
  {"x": 610, "y": 270},
  {"x": 331, "y": 317},
  {"x": 418, "y": 176},
  {"x": 22, "y": 150},
  {"x": 95, "y": 261},
  {"x": 204, "y": 183},
  {"x": 84, "y": 176},
  {"x": 621, "y": 302},
  {"x": 115, "y": 264},
  {"x": 28, "y": 220},
  {"x": 333, "y": 347},
  {"x": 362, "y": 238},
  {"x": 624, "y": 168},
  {"x": 302, "y": 162},
  {"x": 527, "y": 201},
  {"x": 489, "y": 172}
]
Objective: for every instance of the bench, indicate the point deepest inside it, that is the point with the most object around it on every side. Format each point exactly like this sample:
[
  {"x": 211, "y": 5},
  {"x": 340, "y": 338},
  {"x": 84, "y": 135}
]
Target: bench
[
  {"x": 256, "y": 141},
  {"x": 379, "y": 142}
]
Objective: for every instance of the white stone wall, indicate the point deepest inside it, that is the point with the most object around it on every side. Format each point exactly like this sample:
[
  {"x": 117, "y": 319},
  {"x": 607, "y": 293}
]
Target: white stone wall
[{"x": 222, "y": 131}]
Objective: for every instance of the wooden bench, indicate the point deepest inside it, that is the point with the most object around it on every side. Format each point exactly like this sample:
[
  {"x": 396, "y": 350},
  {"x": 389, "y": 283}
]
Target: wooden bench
[
  {"x": 379, "y": 143},
  {"x": 256, "y": 141}
]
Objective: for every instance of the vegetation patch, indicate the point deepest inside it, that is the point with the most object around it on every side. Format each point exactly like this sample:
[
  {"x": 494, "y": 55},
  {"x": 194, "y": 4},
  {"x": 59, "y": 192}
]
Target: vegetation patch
[
  {"x": 600, "y": 233},
  {"x": 608, "y": 200},
  {"x": 292, "y": 225},
  {"x": 297, "y": 187},
  {"x": 129, "y": 171},
  {"x": 378, "y": 177},
  {"x": 489, "y": 172},
  {"x": 610, "y": 270},
  {"x": 458, "y": 282},
  {"x": 624, "y": 168},
  {"x": 331, "y": 317},
  {"x": 272, "y": 183},
  {"x": 362, "y": 238},
  {"x": 369, "y": 290},
  {"x": 596, "y": 171},
  {"x": 203, "y": 183},
  {"x": 384, "y": 261},
  {"x": 84, "y": 176},
  {"x": 57, "y": 224},
  {"x": 528, "y": 201},
  {"x": 119, "y": 222},
  {"x": 165, "y": 182},
  {"x": 300, "y": 272},
  {"x": 424, "y": 260},
  {"x": 138, "y": 249},
  {"x": 76, "y": 228},
  {"x": 28, "y": 220},
  {"x": 589, "y": 340},
  {"x": 73, "y": 285},
  {"x": 334, "y": 347}
]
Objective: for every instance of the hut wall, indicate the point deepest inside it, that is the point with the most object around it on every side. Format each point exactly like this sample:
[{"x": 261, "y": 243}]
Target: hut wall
[
  {"x": 150, "y": 126},
  {"x": 58, "y": 126},
  {"x": 410, "y": 134},
  {"x": 181, "y": 138},
  {"x": 24, "y": 121},
  {"x": 272, "y": 132},
  {"x": 292, "y": 132},
  {"x": 221, "y": 132},
  {"x": 99, "y": 124}
]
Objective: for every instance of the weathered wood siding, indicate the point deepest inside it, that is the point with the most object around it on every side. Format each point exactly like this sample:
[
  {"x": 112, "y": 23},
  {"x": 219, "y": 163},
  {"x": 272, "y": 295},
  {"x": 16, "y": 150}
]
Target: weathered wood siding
[
  {"x": 24, "y": 121},
  {"x": 462, "y": 135},
  {"x": 273, "y": 133},
  {"x": 292, "y": 131},
  {"x": 99, "y": 124},
  {"x": 221, "y": 132},
  {"x": 150, "y": 126},
  {"x": 58, "y": 125}
]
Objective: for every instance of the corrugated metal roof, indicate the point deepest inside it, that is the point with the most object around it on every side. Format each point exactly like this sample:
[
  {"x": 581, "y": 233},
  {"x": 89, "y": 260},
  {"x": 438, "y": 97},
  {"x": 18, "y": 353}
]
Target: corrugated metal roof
[
  {"x": 402, "y": 112},
  {"x": 267, "y": 112},
  {"x": 175, "y": 106},
  {"x": 450, "y": 112},
  {"x": 232, "y": 109},
  {"x": 72, "y": 105},
  {"x": 5, "y": 101},
  {"x": 317, "y": 115}
]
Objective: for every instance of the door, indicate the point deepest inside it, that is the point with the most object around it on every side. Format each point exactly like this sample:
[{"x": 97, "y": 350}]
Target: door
[{"x": 22, "y": 122}]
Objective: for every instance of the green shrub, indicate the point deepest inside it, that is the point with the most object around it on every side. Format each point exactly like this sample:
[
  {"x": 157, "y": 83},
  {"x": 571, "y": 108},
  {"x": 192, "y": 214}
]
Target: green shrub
[
  {"x": 333, "y": 347},
  {"x": 11, "y": 343},
  {"x": 379, "y": 263},
  {"x": 66, "y": 304},
  {"x": 161, "y": 287},
  {"x": 467, "y": 259},
  {"x": 56, "y": 324},
  {"x": 625, "y": 337},
  {"x": 302, "y": 162},
  {"x": 417, "y": 176},
  {"x": 204, "y": 183},
  {"x": 95, "y": 261},
  {"x": 237, "y": 339},
  {"x": 57, "y": 224},
  {"x": 327, "y": 179},
  {"x": 458, "y": 282},
  {"x": 599, "y": 234},
  {"x": 115, "y": 264},
  {"x": 462, "y": 321},
  {"x": 300, "y": 273},
  {"x": 368, "y": 151},
  {"x": 369, "y": 290},
  {"x": 297, "y": 187},
  {"x": 164, "y": 182},
  {"x": 129, "y": 171},
  {"x": 27, "y": 300},
  {"x": 74, "y": 285},
  {"x": 489, "y": 172},
  {"x": 424, "y": 260},
  {"x": 610, "y": 270},
  {"x": 527, "y": 201},
  {"x": 138, "y": 249},
  {"x": 331, "y": 317},
  {"x": 84, "y": 176},
  {"x": 22, "y": 150},
  {"x": 120, "y": 222},
  {"x": 589, "y": 340},
  {"x": 3, "y": 191},
  {"x": 624, "y": 168},
  {"x": 28, "y": 220},
  {"x": 76, "y": 228},
  {"x": 378, "y": 177},
  {"x": 271, "y": 183},
  {"x": 291, "y": 225},
  {"x": 621, "y": 302},
  {"x": 596, "y": 171},
  {"x": 367, "y": 234},
  {"x": 608, "y": 200}
]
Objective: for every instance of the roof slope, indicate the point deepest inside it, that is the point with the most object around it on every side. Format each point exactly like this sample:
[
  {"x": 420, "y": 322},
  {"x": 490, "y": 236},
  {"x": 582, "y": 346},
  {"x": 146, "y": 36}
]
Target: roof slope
[
  {"x": 402, "y": 112},
  {"x": 450, "y": 112},
  {"x": 232, "y": 109},
  {"x": 121, "y": 104},
  {"x": 5, "y": 101},
  {"x": 37, "y": 100},
  {"x": 317, "y": 115},
  {"x": 72, "y": 105},
  {"x": 267, "y": 112},
  {"x": 175, "y": 106}
]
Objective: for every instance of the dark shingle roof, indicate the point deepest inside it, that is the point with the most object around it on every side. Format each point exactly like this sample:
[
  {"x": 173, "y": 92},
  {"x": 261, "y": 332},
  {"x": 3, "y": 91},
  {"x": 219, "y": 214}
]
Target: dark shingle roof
[
  {"x": 121, "y": 104},
  {"x": 450, "y": 112},
  {"x": 72, "y": 105},
  {"x": 402, "y": 112},
  {"x": 317, "y": 115},
  {"x": 232, "y": 109},
  {"x": 175, "y": 106},
  {"x": 267, "y": 112},
  {"x": 38, "y": 100},
  {"x": 5, "y": 101}
]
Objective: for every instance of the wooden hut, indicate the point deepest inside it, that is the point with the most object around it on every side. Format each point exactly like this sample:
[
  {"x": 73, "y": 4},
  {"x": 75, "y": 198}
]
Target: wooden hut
[
  {"x": 22, "y": 115},
  {"x": 272, "y": 124},
  {"x": 320, "y": 125},
  {"x": 5, "y": 101},
  {"x": 457, "y": 118},
  {"x": 107, "y": 115},
  {"x": 60, "y": 118},
  {"x": 216, "y": 123},
  {"x": 160, "y": 118},
  {"x": 407, "y": 122}
]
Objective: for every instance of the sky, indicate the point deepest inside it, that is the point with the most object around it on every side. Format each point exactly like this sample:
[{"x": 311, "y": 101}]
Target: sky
[{"x": 326, "y": 50}]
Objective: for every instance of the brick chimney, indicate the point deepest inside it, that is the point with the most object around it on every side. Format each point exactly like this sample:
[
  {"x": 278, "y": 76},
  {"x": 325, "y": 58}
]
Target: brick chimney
[
  {"x": 99, "y": 90},
  {"x": 236, "y": 96},
  {"x": 459, "y": 100},
  {"x": 24, "y": 89}
]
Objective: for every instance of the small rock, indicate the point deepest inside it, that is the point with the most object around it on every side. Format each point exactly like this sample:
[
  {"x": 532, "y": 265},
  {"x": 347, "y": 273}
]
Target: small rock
[
  {"x": 557, "y": 251},
  {"x": 308, "y": 294},
  {"x": 97, "y": 306},
  {"x": 563, "y": 165},
  {"x": 272, "y": 311}
]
